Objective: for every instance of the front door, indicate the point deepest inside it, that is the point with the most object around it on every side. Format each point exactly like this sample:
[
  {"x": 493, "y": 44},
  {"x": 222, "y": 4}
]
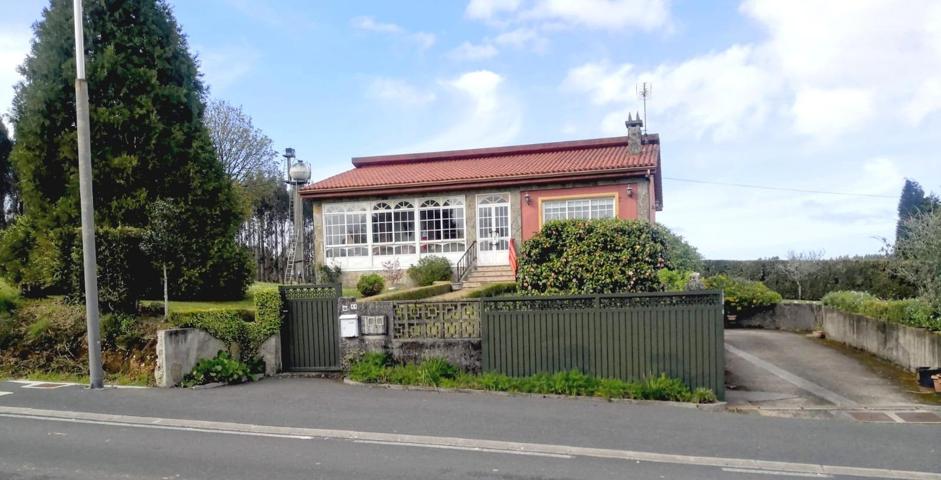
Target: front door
[{"x": 493, "y": 229}]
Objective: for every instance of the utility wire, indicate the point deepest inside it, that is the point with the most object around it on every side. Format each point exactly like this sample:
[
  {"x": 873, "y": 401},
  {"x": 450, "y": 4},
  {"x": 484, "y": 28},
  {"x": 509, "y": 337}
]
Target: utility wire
[{"x": 782, "y": 189}]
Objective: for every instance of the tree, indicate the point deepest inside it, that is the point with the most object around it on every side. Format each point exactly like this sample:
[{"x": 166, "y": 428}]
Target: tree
[
  {"x": 6, "y": 174},
  {"x": 163, "y": 243},
  {"x": 918, "y": 255},
  {"x": 241, "y": 147},
  {"x": 148, "y": 137},
  {"x": 799, "y": 266},
  {"x": 680, "y": 255},
  {"x": 912, "y": 202}
]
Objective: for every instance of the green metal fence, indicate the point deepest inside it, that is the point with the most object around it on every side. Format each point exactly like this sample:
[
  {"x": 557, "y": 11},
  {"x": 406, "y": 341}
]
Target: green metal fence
[{"x": 617, "y": 336}]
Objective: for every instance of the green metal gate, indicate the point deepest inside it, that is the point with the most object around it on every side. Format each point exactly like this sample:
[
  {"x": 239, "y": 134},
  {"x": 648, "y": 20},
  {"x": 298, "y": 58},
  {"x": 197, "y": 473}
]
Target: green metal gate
[
  {"x": 617, "y": 336},
  {"x": 309, "y": 330}
]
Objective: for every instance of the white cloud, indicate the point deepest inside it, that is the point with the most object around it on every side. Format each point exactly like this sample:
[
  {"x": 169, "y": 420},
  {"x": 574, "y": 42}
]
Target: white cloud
[
  {"x": 826, "y": 113},
  {"x": 604, "y": 14},
  {"x": 224, "y": 66},
  {"x": 826, "y": 74},
  {"x": 424, "y": 40},
  {"x": 489, "y": 116},
  {"x": 487, "y": 9},
  {"x": 523, "y": 38},
  {"x": 14, "y": 46},
  {"x": 399, "y": 91},
  {"x": 473, "y": 52},
  {"x": 719, "y": 94}
]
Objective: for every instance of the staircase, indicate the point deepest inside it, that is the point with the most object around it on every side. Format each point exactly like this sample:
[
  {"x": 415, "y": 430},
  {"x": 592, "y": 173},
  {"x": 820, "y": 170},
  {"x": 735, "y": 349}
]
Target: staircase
[{"x": 483, "y": 275}]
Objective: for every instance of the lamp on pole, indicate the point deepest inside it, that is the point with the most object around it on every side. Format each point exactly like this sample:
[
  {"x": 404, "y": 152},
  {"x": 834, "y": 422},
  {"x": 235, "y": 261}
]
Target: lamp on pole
[{"x": 95, "y": 372}]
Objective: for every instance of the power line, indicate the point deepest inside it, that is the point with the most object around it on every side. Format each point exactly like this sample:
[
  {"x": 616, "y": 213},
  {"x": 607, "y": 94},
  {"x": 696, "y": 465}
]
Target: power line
[{"x": 782, "y": 189}]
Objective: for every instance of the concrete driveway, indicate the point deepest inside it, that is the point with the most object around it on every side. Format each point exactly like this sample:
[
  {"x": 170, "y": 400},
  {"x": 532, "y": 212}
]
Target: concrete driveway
[{"x": 788, "y": 374}]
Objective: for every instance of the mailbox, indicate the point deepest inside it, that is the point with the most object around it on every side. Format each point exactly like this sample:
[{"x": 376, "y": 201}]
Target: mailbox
[
  {"x": 374, "y": 324},
  {"x": 349, "y": 325}
]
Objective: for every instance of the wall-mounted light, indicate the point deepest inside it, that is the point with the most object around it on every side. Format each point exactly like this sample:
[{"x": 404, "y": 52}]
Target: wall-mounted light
[
  {"x": 630, "y": 190},
  {"x": 528, "y": 199}
]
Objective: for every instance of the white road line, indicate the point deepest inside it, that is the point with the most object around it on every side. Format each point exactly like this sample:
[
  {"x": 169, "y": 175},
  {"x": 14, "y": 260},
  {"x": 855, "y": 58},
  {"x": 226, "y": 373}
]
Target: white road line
[
  {"x": 128, "y": 421},
  {"x": 5, "y": 393},
  {"x": 776, "y": 472},
  {"x": 789, "y": 377},
  {"x": 31, "y": 383},
  {"x": 467, "y": 449},
  {"x": 895, "y": 417}
]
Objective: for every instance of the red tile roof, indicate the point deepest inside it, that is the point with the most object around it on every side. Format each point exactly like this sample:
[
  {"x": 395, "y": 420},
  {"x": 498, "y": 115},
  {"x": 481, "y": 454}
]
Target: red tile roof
[{"x": 482, "y": 167}]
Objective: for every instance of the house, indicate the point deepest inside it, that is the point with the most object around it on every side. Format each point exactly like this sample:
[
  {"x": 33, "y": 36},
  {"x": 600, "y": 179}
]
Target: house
[{"x": 478, "y": 203}]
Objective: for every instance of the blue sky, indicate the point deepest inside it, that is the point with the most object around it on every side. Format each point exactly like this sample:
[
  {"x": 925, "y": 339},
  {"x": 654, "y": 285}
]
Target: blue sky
[{"x": 837, "y": 96}]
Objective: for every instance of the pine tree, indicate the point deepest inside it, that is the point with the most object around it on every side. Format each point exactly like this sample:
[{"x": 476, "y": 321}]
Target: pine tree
[
  {"x": 148, "y": 137},
  {"x": 912, "y": 202}
]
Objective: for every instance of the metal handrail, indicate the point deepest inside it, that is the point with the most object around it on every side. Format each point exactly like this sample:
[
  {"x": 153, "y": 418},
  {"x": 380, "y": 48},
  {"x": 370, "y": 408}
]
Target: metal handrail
[{"x": 467, "y": 262}]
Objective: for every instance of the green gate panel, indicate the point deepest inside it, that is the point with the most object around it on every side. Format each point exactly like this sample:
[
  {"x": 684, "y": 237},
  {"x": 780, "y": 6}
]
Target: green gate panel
[
  {"x": 630, "y": 337},
  {"x": 310, "y": 334}
]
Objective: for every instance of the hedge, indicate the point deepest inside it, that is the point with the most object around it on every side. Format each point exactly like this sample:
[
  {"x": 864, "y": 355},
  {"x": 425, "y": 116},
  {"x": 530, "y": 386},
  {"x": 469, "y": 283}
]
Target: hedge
[
  {"x": 592, "y": 256},
  {"x": 493, "y": 290},
  {"x": 913, "y": 312},
  {"x": 429, "y": 270},
  {"x": 743, "y": 297},
  {"x": 871, "y": 274},
  {"x": 239, "y": 327},
  {"x": 418, "y": 293}
]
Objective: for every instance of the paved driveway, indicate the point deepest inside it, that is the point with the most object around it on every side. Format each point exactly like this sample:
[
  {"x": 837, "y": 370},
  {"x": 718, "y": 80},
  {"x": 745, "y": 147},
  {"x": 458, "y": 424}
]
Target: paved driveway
[{"x": 789, "y": 374}]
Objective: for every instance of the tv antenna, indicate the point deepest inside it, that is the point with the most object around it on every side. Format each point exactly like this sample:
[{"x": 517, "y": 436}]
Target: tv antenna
[{"x": 644, "y": 91}]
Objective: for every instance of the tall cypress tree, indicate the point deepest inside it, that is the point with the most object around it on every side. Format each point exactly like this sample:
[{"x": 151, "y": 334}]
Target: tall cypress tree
[
  {"x": 148, "y": 138},
  {"x": 913, "y": 201}
]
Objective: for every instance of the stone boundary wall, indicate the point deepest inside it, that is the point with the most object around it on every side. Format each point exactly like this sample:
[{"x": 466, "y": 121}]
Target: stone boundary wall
[
  {"x": 905, "y": 346},
  {"x": 179, "y": 349},
  {"x": 792, "y": 316}
]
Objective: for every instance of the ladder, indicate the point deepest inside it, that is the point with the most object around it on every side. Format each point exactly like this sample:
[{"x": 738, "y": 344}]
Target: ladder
[{"x": 291, "y": 273}]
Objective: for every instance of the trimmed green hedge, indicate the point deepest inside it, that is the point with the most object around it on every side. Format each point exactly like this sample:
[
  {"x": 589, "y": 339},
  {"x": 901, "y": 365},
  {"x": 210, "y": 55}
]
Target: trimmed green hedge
[
  {"x": 743, "y": 297},
  {"x": 913, "y": 312},
  {"x": 370, "y": 284},
  {"x": 870, "y": 274},
  {"x": 493, "y": 290},
  {"x": 418, "y": 293},
  {"x": 244, "y": 328},
  {"x": 429, "y": 270},
  {"x": 592, "y": 256}
]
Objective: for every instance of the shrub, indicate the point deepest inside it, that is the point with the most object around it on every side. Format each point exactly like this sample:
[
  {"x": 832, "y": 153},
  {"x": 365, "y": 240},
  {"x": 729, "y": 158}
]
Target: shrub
[
  {"x": 429, "y": 270},
  {"x": 743, "y": 297},
  {"x": 416, "y": 293},
  {"x": 493, "y": 290},
  {"x": 665, "y": 388},
  {"x": 267, "y": 316},
  {"x": 912, "y": 312},
  {"x": 370, "y": 284},
  {"x": 119, "y": 330},
  {"x": 329, "y": 274},
  {"x": 369, "y": 368},
  {"x": 596, "y": 256},
  {"x": 223, "y": 368},
  {"x": 674, "y": 280},
  {"x": 124, "y": 272},
  {"x": 703, "y": 395},
  {"x": 680, "y": 255},
  {"x": 433, "y": 370},
  {"x": 9, "y": 297}
]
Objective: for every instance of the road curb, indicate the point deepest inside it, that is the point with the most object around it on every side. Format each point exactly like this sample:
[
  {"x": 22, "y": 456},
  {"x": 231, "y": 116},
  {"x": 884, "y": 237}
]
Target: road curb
[{"x": 706, "y": 407}]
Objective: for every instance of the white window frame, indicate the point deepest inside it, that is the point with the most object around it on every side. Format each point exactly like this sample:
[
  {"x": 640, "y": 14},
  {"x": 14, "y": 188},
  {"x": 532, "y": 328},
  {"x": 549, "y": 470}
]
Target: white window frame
[{"x": 568, "y": 207}]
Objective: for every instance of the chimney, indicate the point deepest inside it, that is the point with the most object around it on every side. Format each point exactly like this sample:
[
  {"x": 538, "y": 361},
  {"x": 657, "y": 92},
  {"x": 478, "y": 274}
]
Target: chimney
[{"x": 634, "y": 140}]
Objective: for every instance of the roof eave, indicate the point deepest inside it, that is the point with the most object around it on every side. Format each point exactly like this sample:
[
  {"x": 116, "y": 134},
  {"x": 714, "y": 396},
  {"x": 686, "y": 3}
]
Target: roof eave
[{"x": 378, "y": 190}]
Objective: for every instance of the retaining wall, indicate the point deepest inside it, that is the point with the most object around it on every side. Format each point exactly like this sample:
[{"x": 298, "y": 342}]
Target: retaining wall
[
  {"x": 792, "y": 316},
  {"x": 179, "y": 349},
  {"x": 905, "y": 346}
]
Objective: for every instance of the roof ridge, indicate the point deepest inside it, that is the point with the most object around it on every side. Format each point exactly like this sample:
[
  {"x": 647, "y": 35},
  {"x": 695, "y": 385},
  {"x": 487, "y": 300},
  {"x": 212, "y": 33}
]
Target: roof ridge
[{"x": 492, "y": 151}]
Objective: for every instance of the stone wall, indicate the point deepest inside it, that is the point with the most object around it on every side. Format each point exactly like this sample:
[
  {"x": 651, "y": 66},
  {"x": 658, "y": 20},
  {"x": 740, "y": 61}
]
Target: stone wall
[
  {"x": 905, "y": 346},
  {"x": 792, "y": 316},
  {"x": 179, "y": 349}
]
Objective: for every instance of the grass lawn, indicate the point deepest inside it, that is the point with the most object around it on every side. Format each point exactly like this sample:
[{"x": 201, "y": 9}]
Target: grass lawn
[{"x": 247, "y": 303}]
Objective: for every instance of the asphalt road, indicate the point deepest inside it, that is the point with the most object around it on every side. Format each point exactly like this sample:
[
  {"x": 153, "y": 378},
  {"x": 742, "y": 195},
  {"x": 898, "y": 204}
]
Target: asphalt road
[{"x": 299, "y": 428}]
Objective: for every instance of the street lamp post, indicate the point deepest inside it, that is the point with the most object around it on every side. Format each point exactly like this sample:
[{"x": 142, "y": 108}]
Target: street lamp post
[{"x": 95, "y": 372}]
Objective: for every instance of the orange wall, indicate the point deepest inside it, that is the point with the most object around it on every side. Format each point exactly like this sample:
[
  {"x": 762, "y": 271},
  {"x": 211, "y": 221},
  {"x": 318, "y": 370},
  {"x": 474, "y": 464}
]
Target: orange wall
[{"x": 626, "y": 206}]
